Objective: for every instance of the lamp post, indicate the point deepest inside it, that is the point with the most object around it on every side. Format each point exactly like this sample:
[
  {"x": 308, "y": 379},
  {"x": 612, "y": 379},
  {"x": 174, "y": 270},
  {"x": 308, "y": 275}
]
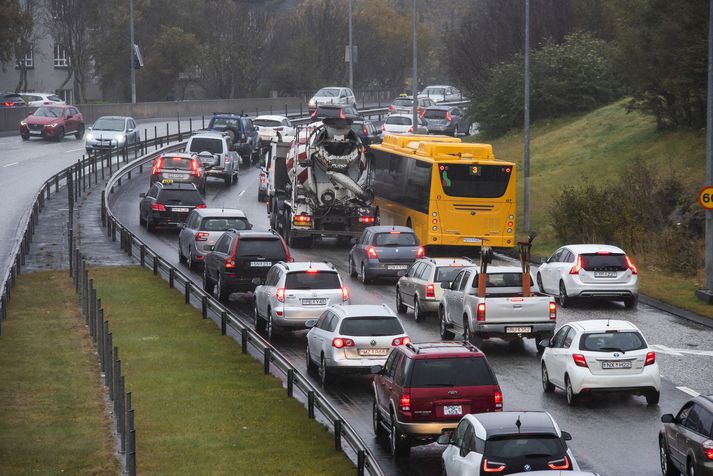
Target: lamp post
[
  {"x": 351, "y": 50},
  {"x": 414, "y": 81},
  {"x": 707, "y": 294},
  {"x": 131, "y": 49},
  {"x": 526, "y": 158}
]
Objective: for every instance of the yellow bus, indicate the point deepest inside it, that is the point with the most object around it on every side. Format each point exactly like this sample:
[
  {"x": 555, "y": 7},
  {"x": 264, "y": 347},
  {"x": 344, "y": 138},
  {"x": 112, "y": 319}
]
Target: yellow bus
[{"x": 452, "y": 193}]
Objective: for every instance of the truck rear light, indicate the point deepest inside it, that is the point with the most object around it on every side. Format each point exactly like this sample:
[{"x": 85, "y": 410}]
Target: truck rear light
[
  {"x": 302, "y": 219},
  {"x": 630, "y": 265},
  {"x": 449, "y": 118},
  {"x": 157, "y": 166},
  {"x": 579, "y": 360},
  {"x": 405, "y": 402},
  {"x": 577, "y": 267},
  {"x": 559, "y": 464},
  {"x": 201, "y": 236},
  {"x": 492, "y": 466},
  {"x": 158, "y": 207},
  {"x": 420, "y": 252},
  {"x": 345, "y": 293},
  {"x": 280, "y": 294},
  {"x": 371, "y": 253},
  {"x": 480, "y": 312},
  {"x": 553, "y": 311},
  {"x": 430, "y": 291},
  {"x": 708, "y": 449},
  {"x": 400, "y": 341},
  {"x": 498, "y": 397},
  {"x": 367, "y": 219},
  {"x": 340, "y": 342},
  {"x": 202, "y": 205},
  {"x": 650, "y": 358}
]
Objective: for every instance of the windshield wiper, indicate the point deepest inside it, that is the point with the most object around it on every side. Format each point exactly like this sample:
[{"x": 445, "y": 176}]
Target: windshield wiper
[{"x": 612, "y": 349}]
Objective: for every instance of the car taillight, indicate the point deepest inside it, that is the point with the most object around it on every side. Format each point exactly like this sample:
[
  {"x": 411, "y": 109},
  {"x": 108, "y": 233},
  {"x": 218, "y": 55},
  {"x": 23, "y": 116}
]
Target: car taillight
[
  {"x": 630, "y": 265},
  {"x": 202, "y": 205},
  {"x": 400, "y": 341},
  {"x": 201, "y": 236},
  {"x": 383, "y": 127},
  {"x": 364, "y": 131},
  {"x": 421, "y": 113},
  {"x": 345, "y": 293},
  {"x": 650, "y": 358},
  {"x": 157, "y": 166},
  {"x": 158, "y": 207},
  {"x": 579, "y": 360},
  {"x": 371, "y": 253},
  {"x": 430, "y": 291},
  {"x": 303, "y": 219},
  {"x": 339, "y": 342},
  {"x": 367, "y": 219},
  {"x": 8, "y": 104},
  {"x": 559, "y": 464},
  {"x": 410, "y": 129},
  {"x": 405, "y": 402},
  {"x": 420, "y": 252},
  {"x": 280, "y": 294},
  {"x": 263, "y": 178},
  {"x": 553, "y": 311},
  {"x": 498, "y": 399},
  {"x": 194, "y": 168},
  {"x": 708, "y": 449},
  {"x": 449, "y": 118},
  {"x": 492, "y": 466},
  {"x": 577, "y": 267},
  {"x": 342, "y": 115},
  {"x": 480, "y": 312},
  {"x": 230, "y": 263},
  {"x": 392, "y": 107}
]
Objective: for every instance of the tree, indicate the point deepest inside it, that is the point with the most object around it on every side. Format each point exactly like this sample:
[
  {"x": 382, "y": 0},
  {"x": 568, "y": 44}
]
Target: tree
[
  {"x": 24, "y": 43},
  {"x": 14, "y": 20}
]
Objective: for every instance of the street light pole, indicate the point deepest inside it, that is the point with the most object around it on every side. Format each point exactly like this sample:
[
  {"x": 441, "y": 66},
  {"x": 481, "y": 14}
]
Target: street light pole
[
  {"x": 526, "y": 160},
  {"x": 351, "y": 50},
  {"x": 709, "y": 154},
  {"x": 414, "y": 81},
  {"x": 131, "y": 49}
]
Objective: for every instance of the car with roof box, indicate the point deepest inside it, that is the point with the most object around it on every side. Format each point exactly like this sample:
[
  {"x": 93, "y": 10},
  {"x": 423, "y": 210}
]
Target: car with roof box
[
  {"x": 168, "y": 204},
  {"x": 686, "y": 440},
  {"x": 424, "y": 389},
  {"x": 202, "y": 229},
  {"x": 384, "y": 252}
]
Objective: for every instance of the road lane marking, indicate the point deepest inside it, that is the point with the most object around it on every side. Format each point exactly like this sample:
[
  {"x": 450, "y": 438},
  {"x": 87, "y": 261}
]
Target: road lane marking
[
  {"x": 240, "y": 195},
  {"x": 665, "y": 350},
  {"x": 689, "y": 391},
  {"x": 10, "y": 165},
  {"x": 73, "y": 150}
]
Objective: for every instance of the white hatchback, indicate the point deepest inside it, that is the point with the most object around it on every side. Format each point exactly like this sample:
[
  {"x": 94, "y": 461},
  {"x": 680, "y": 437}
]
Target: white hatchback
[
  {"x": 403, "y": 124},
  {"x": 600, "y": 355},
  {"x": 589, "y": 271},
  {"x": 279, "y": 127}
]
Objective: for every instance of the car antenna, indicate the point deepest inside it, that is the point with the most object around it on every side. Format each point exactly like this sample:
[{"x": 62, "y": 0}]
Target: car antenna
[
  {"x": 608, "y": 319},
  {"x": 518, "y": 423}
]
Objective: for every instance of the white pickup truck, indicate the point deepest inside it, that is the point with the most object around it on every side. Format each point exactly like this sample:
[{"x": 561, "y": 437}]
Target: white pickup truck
[{"x": 503, "y": 312}]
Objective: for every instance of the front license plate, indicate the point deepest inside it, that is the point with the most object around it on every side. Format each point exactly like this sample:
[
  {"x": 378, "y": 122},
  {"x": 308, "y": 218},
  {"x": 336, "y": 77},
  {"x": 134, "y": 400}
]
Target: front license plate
[
  {"x": 314, "y": 302},
  {"x": 472, "y": 240},
  {"x": 180, "y": 210},
  {"x": 605, "y": 274},
  {"x": 616, "y": 364},
  {"x": 373, "y": 351},
  {"x": 261, "y": 264},
  {"x": 452, "y": 410},
  {"x": 396, "y": 267},
  {"x": 518, "y": 330}
]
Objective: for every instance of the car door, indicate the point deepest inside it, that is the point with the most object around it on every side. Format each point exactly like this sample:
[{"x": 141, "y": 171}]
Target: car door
[
  {"x": 407, "y": 288},
  {"x": 555, "y": 356},
  {"x": 550, "y": 273},
  {"x": 263, "y": 292},
  {"x": 145, "y": 204},
  {"x": 451, "y": 454},
  {"x": 467, "y": 459},
  {"x": 691, "y": 433},
  {"x": 361, "y": 248},
  {"x": 185, "y": 233},
  {"x": 315, "y": 337},
  {"x": 420, "y": 280},
  {"x": 449, "y": 298},
  {"x": 385, "y": 382},
  {"x": 132, "y": 136}
]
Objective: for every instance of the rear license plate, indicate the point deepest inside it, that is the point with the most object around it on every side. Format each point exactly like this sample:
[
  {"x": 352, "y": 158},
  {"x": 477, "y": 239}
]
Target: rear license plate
[
  {"x": 180, "y": 210},
  {"x": 605, "y": 274},
  {"x": 175, "y": 176},
  {"x": 472, "y": 240},
  {"x": 518, "y": 330},
  {"x": 373, "y": 351},
  {"x": 615, "y": 364},
  {"x": 314, "y": 302},
  {"x": 396, "y": 267},
  {"x": 453, "y": 410},
  {"x": 261, "y": 264}
]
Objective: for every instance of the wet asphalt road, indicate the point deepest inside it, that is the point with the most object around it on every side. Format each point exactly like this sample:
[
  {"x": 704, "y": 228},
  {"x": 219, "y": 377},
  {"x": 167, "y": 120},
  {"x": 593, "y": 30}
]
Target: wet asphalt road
[{"x": 612, "y": 434}]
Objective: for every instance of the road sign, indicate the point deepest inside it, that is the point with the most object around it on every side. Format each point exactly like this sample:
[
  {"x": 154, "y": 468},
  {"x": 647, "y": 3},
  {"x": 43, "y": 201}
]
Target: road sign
[{"x": 705, "y": 198}]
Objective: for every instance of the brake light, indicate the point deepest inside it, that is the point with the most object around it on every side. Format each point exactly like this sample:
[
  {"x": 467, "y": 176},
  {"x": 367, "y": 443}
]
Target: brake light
[
  {"x": 405, "y": 402},
  {"x": 498, "y": 397},
  {"x": 339, "y": 342},
  {"x": 559, "y": 464},
  {"x": 400, "y": 341},
  {"x": 392, "y": 107},
  {"x": 194, "y": 167},
  {"x": 364, "y": 131},
  {"x": 158, "y": 207},
  {"x": 157, "y": 166},
  {"x": 302, "y": 219},
  {"x": 448, "y": 116},
  {"x": 420, "y": 252},
  {"x": 367, "y": 219},
  {"x": 314, "y": 114},
  {"x": 202, "y": 205},
  {"x": 421, "y": 113},
  {"x": 230, "y": 263},
  {"x": 492, "y": 466},
  {"x": 579, "y": 360},
  {"x": 371, "y": 253},
  {"x": 8, "y": 104},
  {"x": 263, "y": 178},
  {"x": 630, "y": 264},
  {"x": 480, "y": 312},
  {"x": 553, "y": 311},
  {"x": 345, "y": 293},
  {"x": 577, "y": 267},
  {"x": 650, "y": 358},
  {"x": 603, "y": 253},
  {"x": 201, "y": 236},
  {"x": 708, "y": 449},
  {"x": 280, "y": 294},
  {"x": 342, "y": 115},
  {"x": 410, "y": 129},
  {"x": 312, "y": 271},
  {"x": 430, "y": 291}
]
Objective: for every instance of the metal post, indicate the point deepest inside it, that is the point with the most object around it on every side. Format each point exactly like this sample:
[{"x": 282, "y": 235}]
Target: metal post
[
  {"x": 361, "y": 461},
  {"x": 414, "y": 78},
  {"x": 709, "y": 158},
  {"x": 266, "y": 361},
  {"x": 155, "y": 264},
  {"x": 244, "y": 340},
  {"x": 351, "y": 50},
  {"x": 223, "y": 323},
  {"x": 338, "y": 434},
  {"x": 526, "y": 159},
  {"x": 131, "y": 49},
  {"x": 187, "y": 291},
  {"x": 121, "y": 418},
  {"x": 290, "y": 382},
  {"x": 143, "y": 254},
  {"x": 170, "y": 277},
  {"x": 310, "y": 404},
  {"x": 204, "y": 307}
]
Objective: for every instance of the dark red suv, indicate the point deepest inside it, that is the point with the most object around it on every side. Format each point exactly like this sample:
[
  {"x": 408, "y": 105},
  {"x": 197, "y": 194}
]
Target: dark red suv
[
  {"x": 424, "y": 389},
  {"x": 53, "y": 122}
]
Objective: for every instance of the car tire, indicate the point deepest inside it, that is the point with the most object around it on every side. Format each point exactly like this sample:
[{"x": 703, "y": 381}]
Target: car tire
[
  {"x": 150, "y": 225},
  {"x": 417, "y": 314},
  {"x": 397, "y": 447},
  {"x": 208, "y": 284},
  {"x": 653, "y": 397},
  {"x": 311, "y": 366},
  {"x": 562, "y": 298},
  {"x": 631, "y": 303},
  {"x": 364, "y": 278},
  {"x": 142, "y": 222},
  {"x": 376, "y": 426},
  {"x": 80, "y": 132},
  {"x": 352, "y": 269},
  {"x": 400, "y": 306},
  {"x": 192, "y": 264},
  {"x": 572, "y": 398},
  {"x": 221, "y": 293},
  {"x": 690, "y": 469},
  {"x": 259, "y": 321},
  {"x": 228, "y": 180},
  {"x": 547, "y": 386},
  {"x": 667, "y": 467},
  {"x": 470, "y": 336},
  {"x": 269, "y": 326},
  {"x": 25, "y": 136},
  {"x": 539, "y": 283},
  {"x": 445, "y": 333},
  {"x": 60, "y": 135},
  {"x": 325, "y": 375},
  {"x": 181, "y": 259}
]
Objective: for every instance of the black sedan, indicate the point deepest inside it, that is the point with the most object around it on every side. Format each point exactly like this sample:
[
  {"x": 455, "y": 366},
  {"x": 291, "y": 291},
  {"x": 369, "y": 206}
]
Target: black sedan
[{"x": 168, "y": 204}]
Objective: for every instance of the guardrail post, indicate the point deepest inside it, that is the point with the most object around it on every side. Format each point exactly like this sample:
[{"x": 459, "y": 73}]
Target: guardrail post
[
  {"x": 170, "y": 277},
  {"x": 131, "y": 460},
  {"x": 155, "y": 264},
  {"x": 266, "y": 360},
  {"x": 92, "y": 302},
  {"x": 143, "y": 254},
  {"x": 310, "y": 404},
  {"x": 116, "y": 372},
  {"x": 204, "y": 307},
  {"x": 103, "y": 208},
  {"x": 244, "y": 340},
  {"x": 338, "y": 434},
  {"x": 120, "y": 417},
  {"x": 127, "y": 427},
  {"x": 190, "y": 125},
  {"x": 187, "y": 291},
  {"x": 361, "y": 460},
  {"x": 223, "y": 323},
  {"x": 128, "y": 243},
  {"x": 70, "y": 236},
  {"x": 290, "y": 382}
]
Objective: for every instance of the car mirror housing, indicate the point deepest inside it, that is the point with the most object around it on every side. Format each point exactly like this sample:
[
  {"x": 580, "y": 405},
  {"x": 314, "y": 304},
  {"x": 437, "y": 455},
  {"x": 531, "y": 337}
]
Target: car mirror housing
[
  {"x": 667, "y": 418},
  {"x": 142, "y": 195},
  {"x": 353, "y": 242},
  {"x": 209, "y": 247},
  {"x": 444, "y": 439},
  {"x": 310, "y": 323},
  {"x": 545, "y": 343},
  {"x": 566, "y": 436},
  {"x": 376, "y": 369},
  {"x": 446, "y": 285}
]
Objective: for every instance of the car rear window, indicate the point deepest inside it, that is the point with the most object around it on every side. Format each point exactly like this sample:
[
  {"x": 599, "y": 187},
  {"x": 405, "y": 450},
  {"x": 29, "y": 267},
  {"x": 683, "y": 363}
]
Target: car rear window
[
  {"x": 181, "y": 163},
  {"x": 269, "y": 248},
  {"x": 201, "y": 144},
  {"x": 452, "y": 372},
  {"x": 447, "y": 273},
  {"x": 434, "y": 114},
  {"x": 503, "y": 448},
  {"x": 402, "y": 102},
  {"x": 222, "y": 224},
  {"x": 312, "y": 280},
  {"x": 395, "y": 239},
  {"x": 223, "y": 122},
  {"x": 180, "y": 197},
  {"x": 477, "y": 181},
  {"x": 371, "y": 326},
  {"x": 54, "y": 98},
  {"x": 604, "y": 262},
  {"x": 503, "y": 280},
  {"x": 398, "y": 120},
  {"x": 267, "y": 123},
  {"x": 612, "y": 341}
]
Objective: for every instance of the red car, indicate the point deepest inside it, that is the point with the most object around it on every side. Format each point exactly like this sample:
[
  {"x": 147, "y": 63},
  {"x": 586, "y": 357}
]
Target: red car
[
  {"x": 425, "y": 389},
  {"x": 53, "y": 122}
]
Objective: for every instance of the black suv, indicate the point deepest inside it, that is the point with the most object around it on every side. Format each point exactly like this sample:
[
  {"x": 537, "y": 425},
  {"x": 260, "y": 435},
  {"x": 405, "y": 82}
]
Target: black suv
[
  {"x": 239, "y": 261},
  {"x": 243, "y": 134},
  {"x": 686, "y": 440},
  {"x": 334, "y": 111},
  {"x": 168, "y": 203}
]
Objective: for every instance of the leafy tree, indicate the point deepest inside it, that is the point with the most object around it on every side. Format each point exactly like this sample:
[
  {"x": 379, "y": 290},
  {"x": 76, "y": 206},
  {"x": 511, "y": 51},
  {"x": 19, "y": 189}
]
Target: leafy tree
[{"x": 15, "y": 21}]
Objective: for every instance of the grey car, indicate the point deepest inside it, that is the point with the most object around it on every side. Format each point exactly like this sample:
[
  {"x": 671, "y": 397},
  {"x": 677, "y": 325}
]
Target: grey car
[
  {"x": 111, "y": 133},
  {"x": 384, "y": 252},
  {"x": 178, "y": 167},
  {"x": 202, "y": 229},
  {"x": 448, "y": 120}
]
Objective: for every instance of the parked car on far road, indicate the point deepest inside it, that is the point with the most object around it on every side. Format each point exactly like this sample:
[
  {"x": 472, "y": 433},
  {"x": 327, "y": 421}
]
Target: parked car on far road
[
  {"x": 41, "y": 99},
  {"x": 111, "y": 133},
  {"x": 53, "y": 122},
  {"x": 686, "y": 440}
]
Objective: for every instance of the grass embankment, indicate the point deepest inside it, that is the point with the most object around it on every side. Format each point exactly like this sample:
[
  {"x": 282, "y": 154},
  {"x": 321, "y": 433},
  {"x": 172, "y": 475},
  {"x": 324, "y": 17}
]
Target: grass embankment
[
  {"x": 52, "y": 416},
  {"x": 595, "y": 148},
  {"x": 203, "y": 407}
]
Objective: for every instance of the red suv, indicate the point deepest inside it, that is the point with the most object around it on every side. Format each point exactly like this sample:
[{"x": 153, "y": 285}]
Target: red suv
[
  {"x": 53, "y": 122},
  {"x": 423, "y": 390}
]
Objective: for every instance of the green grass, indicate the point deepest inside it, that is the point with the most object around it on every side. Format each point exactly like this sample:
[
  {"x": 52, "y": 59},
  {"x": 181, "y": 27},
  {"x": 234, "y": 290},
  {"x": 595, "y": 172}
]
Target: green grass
[
  {"x": 202, "y": 407},
  {"x": 595, "y": 148},
  {"x": 52, "y": 414}
]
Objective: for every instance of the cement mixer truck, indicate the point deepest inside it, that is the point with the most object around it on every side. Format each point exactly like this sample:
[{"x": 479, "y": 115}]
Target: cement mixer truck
[{"x": 318, "y": 183}]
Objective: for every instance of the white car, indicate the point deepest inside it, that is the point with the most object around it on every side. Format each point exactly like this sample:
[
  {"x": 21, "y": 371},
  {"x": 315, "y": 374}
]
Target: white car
[
  {"x": 442, "y": 93},
  {"x": 41, "y": 99},
  {"x": 269, "y": 126},
  {"x": 294, "y": 293},
  {"x": 332, "y": 95},
  {"x": 403, "y": 124},
  {"x": 600, "y": 355},
  {"x": 590, "y": 271},
  {"x": 506, "y": 442},
  {"x": 353, "y": 339}
]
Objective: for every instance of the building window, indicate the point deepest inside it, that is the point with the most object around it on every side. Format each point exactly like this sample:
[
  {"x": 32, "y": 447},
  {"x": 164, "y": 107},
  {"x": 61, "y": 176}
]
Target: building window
[
  {"x": 28, "y": 61},
  {"x": 60, "y": 57}
]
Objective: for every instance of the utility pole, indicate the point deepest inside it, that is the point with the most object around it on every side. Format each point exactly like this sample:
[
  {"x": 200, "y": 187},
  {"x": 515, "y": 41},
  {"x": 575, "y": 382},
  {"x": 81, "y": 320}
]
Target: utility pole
[
  {"x": 414, "y": 81},
  {"x": 351, "y": 50},
  {"x": 708, "y": 292},
  {"x": 131, "y": 49},
  {"x": 526, "y": 160}
]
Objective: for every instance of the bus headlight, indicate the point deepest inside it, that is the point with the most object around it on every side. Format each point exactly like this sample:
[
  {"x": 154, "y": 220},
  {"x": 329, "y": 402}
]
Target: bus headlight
[
  {"x": 509, "y": 230},
  {"x": 435, "y": 228}
]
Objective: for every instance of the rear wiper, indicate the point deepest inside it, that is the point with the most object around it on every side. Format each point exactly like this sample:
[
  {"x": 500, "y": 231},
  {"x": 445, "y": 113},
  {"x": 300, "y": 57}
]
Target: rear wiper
[
  {"x": 439, "y": 385},
  {"x": 613, "y": 349}
]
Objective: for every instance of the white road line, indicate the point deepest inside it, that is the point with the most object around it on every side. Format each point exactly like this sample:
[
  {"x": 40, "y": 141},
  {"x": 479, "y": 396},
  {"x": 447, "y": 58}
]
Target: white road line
[
  {"x": 687, "y": 390},
  {"x": 240, "y": 195},
  {"x": 10, "y": 165},
  {"x": 73, "y": 150},
  {"x": 665, "y": 350}
]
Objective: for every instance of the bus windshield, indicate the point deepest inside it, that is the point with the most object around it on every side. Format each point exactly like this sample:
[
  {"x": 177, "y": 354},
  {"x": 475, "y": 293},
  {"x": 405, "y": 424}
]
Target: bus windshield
[{"x": 476, "y": 181}]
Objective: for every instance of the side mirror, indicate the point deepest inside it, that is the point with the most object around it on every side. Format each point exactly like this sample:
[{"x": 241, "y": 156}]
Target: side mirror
[
  {"x": 446, "y": 285},
  {"x": 209, "y": 247},
  {"x": 90, "y": 128},
  {"x": 310, "y": 323},
  {"x": 544, "y": 343},
  {"x": 129, "y": 130},
  {"x": 667, "y": 418},
  {"x": 376, "y": 369},
  {"x": 142, "y": 195},
  {"x": 566, "y": 436},
  {"x": 250, "y": 226},
  {"x": 444, "y": 439},
  {"x": 353, "y": 242}
]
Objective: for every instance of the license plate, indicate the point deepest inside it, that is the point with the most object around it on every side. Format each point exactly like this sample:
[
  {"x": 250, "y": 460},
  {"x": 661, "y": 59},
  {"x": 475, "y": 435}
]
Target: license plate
[
  {"x": 605, "y": 274},
  {"x": 180, "y": 210},
  {"x": 373, "y": 351},
  {"x": 261, "y": 264},
  {"x": 35, "y": 133},
  {"x": 396, "y": 266},
  {"x": 453, "y": 410},
  {"x": 175, "y": 176},
  {"x": 518, "y": 330},
  {"x": 616, "y": 364},
  {"x": 472, "y": 240},
  {"x": 314, "y": 302}
]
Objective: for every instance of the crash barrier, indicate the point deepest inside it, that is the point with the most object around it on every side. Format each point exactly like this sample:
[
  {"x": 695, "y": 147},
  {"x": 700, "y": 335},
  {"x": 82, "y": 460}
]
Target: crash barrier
[{"x": 345, "y": 437}]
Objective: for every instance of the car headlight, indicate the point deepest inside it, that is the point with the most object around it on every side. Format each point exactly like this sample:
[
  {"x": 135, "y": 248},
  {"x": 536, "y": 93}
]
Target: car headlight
[
  {"x": 23, "y": 123},
  {"x": 90, "y": 136},
  {"x": 120, "y": 140},
  {"x": 51, "y": 125},
  {"x": 312, "y": 103}
]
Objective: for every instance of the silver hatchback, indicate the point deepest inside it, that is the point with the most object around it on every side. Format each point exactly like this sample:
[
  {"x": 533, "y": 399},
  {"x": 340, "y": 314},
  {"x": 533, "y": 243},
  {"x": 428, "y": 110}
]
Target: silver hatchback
[{"x": 203, "y": 227}]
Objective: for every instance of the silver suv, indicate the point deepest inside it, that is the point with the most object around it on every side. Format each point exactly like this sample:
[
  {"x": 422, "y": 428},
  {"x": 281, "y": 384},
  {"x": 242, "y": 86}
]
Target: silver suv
[
  {"x": 202, "y": 229},
  {"x": 214, "y": 151},
  {"x": 294, "y": 293}
]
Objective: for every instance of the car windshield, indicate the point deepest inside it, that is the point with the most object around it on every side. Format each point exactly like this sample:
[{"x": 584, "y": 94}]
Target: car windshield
[
  {"x": 395, "y": 239},
  {"x": 49, "y": 112},
  {"x": 447, "y": 273},
  {"x": 267, "y": 123},
  {"x": 328, "y": 92},
  {"x": 452, "y": 372},
  {"x": 315, "y": 279},
  {"x": 402, "y": 102},
  {"x": 398, "y": 120},
  {"x": 504, "y": 448},
  {"x": 604, "y": 262},
  {"x": 269, "y": 248},
  {"x": 434, "y": 114},
  {"x": 371, "y": 326},
  {"x": 180, "y": 163},
  {"x": 105, "y": 124},
  {"x": 180, "y": 197},
  {"x": 612, "y": 341},
  {"x": 205, "y": 144},
  {"x": 474, "y": 180},
  {"x": 224, "y": 223}
]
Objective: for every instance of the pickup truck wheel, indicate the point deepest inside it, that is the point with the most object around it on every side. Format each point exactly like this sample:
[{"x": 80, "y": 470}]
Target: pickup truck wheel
[
  {"x": 563, "y": 299},
  {"x": 445, "y": 333},
  {"x": 547, "y": 386},
  {"x": 469, "y": 336},
  {"x": 400, "y": 306}
]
